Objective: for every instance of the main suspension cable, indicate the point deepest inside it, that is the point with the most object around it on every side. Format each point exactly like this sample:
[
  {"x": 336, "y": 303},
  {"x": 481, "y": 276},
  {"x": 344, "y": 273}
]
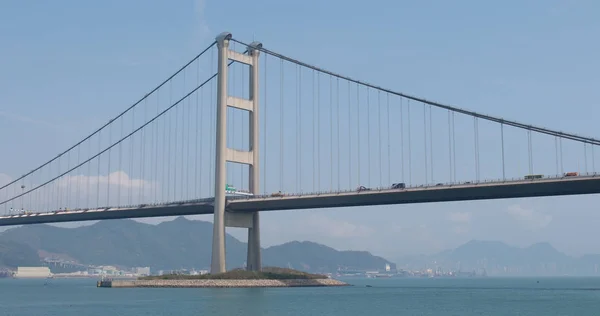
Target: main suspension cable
[
  {"x": 113, "y": 119},
  {"x": 108, "y": 148},
  {"x": 542, "y": 130}
]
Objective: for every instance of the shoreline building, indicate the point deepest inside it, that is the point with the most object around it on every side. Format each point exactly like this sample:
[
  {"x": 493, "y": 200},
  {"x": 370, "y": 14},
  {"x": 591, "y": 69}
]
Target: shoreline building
[{"x": 33, "y": 272}]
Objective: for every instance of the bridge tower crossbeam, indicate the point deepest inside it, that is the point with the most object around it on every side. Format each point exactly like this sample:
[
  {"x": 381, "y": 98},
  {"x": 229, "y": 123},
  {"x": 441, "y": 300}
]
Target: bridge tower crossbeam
[{"x": 223, "y": 218}]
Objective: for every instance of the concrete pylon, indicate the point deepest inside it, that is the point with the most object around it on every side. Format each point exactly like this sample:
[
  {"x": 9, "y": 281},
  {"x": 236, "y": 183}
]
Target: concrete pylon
[
  {"x": 224, "y": 154},
  {"x": 254, "y": 262},
  {"x": 218, "y": 244}
]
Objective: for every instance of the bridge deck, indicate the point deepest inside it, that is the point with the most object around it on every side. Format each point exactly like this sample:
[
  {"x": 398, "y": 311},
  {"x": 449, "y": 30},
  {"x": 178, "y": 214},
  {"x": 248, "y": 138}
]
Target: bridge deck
[{"x": 431, "y": 194}]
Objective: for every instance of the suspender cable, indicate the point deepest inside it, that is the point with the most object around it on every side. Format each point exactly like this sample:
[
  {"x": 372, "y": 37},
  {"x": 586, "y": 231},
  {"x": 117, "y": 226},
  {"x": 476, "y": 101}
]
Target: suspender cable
[
  {"x": 119, "y": 177},
  {"x": 389, "y": 133},
  {"x": 556, "y": 152},
  {"x": 475, "y": 129},
  {"x": 33, "y": 206},
  {"x": 562, "y": 169},
  {"x": 330, "y": 133},
  {"x": 409, "y": 147},
  {"x": 143, "y": 154},
  {"x": 163, "y": 161},
  {"x": 300, "y": 127},
  {"x": 349, "y": 137},
  {"x": 368, "y": 139},
  {"x": 212, "y": 119},
  {"x": 318, "y": 131},
  {"x": 402, "y": 140},
  {"x": 314, "y": 134},
  {"x": 176, "y": 140},
  {"x": 379, "y": 137},
  {"x": 585, "y": 157},
  {"x": 453, "y": 147},
  {"x": 450, "y": 144},
  {"x": 168, "y": 142},
  {"x": 49, "y": 191},
  {"x": 593, "y": 161},
  {"x": 281, "y": 109},
  {"x": 431, "y": 143},
  {"x": 68, "y": 201},
  {"x": 245, "y": 88},
  {"x": 502, "y": 142},
  {"x": 530, "y": 151},
  {"x": 231, "y": 114},
  {"x": 265, "y": 128},
  {"x": 155, "y": 178},
  {"x": 425, "y": 141},
  {"x": 297, "y": 131},
  {"x": 98, "y": 178},
  {"x": 185, "y": 146},
  {"x": 58, "y": 196},
  {"x": 89, "y": 176},
  {"x": 358, "y": 129},
  {"x": 198, "y": 141},
  {"x": 338, "y": 131}
]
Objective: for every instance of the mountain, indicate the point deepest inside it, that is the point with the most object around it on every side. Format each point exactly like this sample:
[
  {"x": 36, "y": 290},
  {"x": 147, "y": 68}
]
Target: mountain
[
  {"x": 311, "y": 256},
  {"x": 176, "y": 244},
  {"x": 13, "y": 254},
  {"x": 498, "y": 258}
]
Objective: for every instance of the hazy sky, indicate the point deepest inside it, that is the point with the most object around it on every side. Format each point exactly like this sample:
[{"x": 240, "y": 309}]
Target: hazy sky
[{"x": 67, "y": 67}]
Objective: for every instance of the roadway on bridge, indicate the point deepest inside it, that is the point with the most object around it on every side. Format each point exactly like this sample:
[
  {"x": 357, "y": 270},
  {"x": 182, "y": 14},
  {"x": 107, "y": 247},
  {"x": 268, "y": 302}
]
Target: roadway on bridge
[{"x": 441, "y": 193}]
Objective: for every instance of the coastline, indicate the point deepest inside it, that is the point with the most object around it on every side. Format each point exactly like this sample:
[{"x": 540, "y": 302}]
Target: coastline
[{"x": 216, "y": 283}]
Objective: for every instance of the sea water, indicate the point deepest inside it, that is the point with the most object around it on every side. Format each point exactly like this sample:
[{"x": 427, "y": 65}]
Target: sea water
[{"x": 394, "y": 296}]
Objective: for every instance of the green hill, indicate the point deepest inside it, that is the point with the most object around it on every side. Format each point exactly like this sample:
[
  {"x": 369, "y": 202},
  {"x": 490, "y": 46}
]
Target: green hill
[
  {"x": 176, "y": 244},
  {"x": 14, "y": 254}
]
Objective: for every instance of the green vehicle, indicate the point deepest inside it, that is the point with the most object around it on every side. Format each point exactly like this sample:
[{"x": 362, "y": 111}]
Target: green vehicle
[{"x": 533, "y": 176}]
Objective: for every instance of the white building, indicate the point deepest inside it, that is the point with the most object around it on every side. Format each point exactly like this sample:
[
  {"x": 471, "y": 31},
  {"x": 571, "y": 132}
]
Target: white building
[
  {"x": 142, "y": 270},
  {"x": 33, "y": 272}
]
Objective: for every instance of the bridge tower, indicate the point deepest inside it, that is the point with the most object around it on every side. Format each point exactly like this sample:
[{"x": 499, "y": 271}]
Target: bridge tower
[{"x": 223, "y": 218}]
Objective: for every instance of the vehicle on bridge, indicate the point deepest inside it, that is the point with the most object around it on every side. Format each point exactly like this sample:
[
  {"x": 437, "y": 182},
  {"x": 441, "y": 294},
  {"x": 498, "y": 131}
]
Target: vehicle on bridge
[
  {"x": 533, "y": 176},
  {"x": 277, "y": 194},
  {"x": 362, "y": 188},
  {"x": 399, "y": 185},
  {"x": 571, "y": 174}
]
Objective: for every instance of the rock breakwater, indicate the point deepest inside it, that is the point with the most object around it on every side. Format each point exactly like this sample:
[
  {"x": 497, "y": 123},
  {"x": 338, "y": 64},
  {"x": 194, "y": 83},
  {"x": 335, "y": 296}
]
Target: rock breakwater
[{"x": 220, "y": 283}]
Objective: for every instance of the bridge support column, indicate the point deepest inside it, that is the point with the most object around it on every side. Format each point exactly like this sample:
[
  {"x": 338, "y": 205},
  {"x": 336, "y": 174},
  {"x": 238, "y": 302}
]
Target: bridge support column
[
  {"x": 224, "y": 154},
  {"x": 218, "y": 243},
  {"x": 254, "y": 262}
]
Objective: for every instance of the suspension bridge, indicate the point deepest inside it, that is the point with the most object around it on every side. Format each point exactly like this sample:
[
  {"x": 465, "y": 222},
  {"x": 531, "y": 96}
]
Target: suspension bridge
[{"x": 191, "y": 146}]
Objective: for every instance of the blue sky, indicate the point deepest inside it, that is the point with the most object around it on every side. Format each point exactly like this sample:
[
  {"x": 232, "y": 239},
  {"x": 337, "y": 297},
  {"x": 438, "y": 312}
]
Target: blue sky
[{"x": 67, "y": 67}]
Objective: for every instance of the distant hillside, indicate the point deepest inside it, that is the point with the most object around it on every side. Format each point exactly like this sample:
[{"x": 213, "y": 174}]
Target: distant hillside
[
  {"x": 495, "y": 252},
  {"x": 311, "y": 256},
  {"x": 13, "y": 254},
  {"x": 180, "y": 243},
  {"x": 498, "y": 258}
]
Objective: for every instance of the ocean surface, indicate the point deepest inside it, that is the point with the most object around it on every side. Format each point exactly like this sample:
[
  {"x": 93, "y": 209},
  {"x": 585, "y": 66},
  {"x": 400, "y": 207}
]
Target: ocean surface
[{"x": 399, "y": 296}]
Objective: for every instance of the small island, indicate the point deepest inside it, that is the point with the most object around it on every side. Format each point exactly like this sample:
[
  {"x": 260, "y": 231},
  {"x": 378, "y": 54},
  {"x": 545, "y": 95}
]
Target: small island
[{"x": 268, "y": 277}]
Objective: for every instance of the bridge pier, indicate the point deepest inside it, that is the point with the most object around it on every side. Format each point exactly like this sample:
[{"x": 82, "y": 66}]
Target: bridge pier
[
  {"x": 253, "y": 261},
  {"x": 224, "y": 154}
]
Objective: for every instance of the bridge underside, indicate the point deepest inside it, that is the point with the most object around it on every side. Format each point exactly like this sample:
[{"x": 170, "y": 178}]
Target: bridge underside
[
  {"x": 446, "y": 193},
  {"x": 109, "y": 213},
  {"x": 465, "y": 192}
]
